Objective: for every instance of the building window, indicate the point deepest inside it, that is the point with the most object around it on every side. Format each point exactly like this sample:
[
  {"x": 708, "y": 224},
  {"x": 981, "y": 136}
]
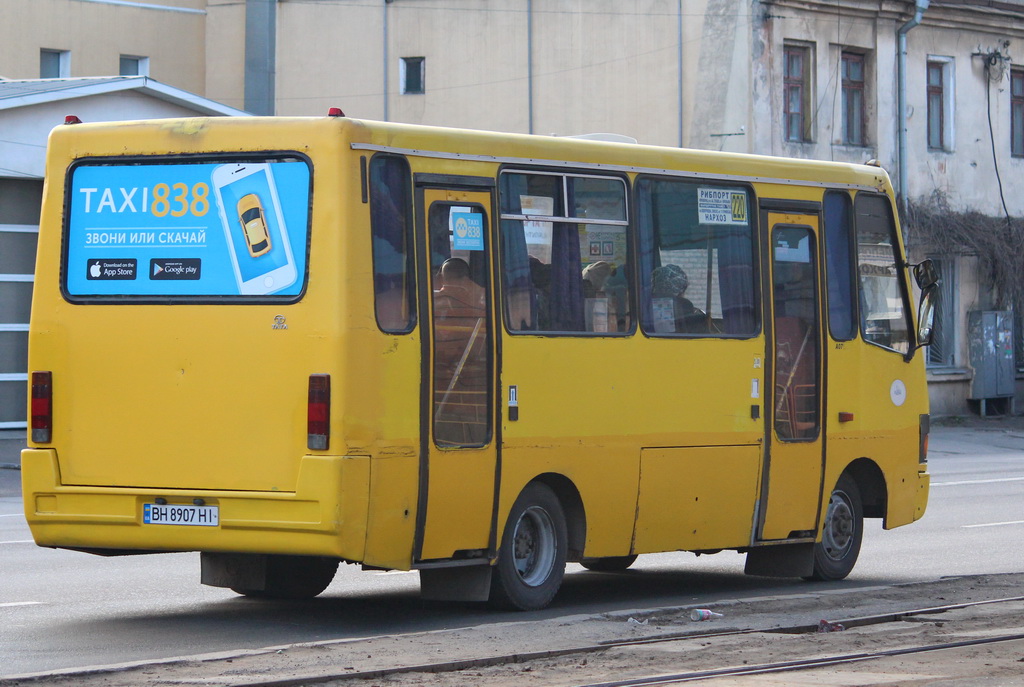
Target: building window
[
  {"x": 941, "y": 352},
  {"x": 940, "y": 103},
  {"x": 1017, "y": 112},
  {"x": 411, "y": 74},
  {"x": 54, "y": 64},
  {"x": 853, "y": 99},
  {"x": 133, "y": 65},
  {"x": 797, "y": 93}
]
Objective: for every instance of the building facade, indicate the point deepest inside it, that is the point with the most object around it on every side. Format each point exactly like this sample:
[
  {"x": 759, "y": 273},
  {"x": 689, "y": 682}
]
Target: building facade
[{"x": 820, "y": 79}]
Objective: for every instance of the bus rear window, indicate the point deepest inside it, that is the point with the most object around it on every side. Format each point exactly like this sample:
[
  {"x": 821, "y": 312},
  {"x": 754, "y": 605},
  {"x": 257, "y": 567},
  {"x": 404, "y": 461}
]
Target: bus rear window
[{"x": 159, "y": 228}]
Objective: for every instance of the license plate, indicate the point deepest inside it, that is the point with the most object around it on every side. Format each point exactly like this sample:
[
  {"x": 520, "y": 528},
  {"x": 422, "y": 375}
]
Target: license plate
[{"x": 170, "y": 514}]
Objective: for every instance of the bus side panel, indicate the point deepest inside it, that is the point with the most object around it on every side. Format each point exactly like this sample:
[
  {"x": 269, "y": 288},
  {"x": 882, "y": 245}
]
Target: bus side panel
[
  {"x": 605, "y": 473},
  {"x": 696, "y": 498},
  {"x": 392, "y": 517},
  {"x": 587, "y": 406},
  {"x": 886, "y": 403}
]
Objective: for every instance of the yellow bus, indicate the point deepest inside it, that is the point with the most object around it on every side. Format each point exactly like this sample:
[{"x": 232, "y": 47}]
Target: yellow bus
[{"x": 290, "y": 342}]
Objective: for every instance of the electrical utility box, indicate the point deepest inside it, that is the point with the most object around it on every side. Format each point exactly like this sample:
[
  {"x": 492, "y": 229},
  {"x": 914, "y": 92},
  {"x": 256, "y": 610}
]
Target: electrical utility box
[{"x": 990, "y": 333}]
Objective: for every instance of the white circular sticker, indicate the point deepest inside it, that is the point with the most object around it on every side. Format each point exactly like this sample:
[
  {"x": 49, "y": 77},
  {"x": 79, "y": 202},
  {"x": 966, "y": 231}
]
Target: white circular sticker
[{"x": 898, "y": 393}]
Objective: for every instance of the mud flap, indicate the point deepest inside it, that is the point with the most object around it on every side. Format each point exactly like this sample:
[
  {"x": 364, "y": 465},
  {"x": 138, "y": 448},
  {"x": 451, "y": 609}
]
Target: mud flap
[
  {"x": 467, "y": 583},
  {"x": 234, "y": 570},
  {"x": 786, "y": 560}
]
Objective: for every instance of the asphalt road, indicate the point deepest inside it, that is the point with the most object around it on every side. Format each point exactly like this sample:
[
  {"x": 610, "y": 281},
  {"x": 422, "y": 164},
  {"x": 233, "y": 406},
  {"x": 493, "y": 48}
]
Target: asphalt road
[{"x": 61, "y": 609}]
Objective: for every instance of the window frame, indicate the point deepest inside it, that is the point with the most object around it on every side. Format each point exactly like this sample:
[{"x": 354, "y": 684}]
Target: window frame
[
  {"x": 566, "y": 218},
  {"x": 900, "y": 266},
  {"x": 1017, "y": 112},
  {"x": 945, "y": 93},
  {"x": 803, "y": 84},
  {"x": 141, "y": 65},
  {"x": 408, "y": 242},
  {"x": 946, "y": 303},
  {"x": 640, "y": 293},
  {"x": 406, "y": 67},
  {"x": 858, "y": 109},
  {"x": 851, "y": 264},
  {"x": 63, "y": 63}
]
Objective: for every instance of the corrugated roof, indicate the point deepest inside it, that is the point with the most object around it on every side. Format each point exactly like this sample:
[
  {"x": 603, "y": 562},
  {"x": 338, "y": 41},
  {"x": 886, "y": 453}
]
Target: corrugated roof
[{"x": 23, "y": 92}]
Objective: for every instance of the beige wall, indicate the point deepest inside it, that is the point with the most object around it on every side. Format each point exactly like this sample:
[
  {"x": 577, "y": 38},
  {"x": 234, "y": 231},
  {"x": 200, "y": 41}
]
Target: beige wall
[
  {"x": 98, "y": 34},
  {"x": 225, "y": 52},
  {"x": 330, "y": 55},
  {"x": 598, "y": 65}
]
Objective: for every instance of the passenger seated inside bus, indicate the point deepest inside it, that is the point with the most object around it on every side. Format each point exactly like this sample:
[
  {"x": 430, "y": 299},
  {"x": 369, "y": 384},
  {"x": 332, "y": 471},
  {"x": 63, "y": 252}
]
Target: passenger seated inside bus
[{"x": 670, "y": 282}]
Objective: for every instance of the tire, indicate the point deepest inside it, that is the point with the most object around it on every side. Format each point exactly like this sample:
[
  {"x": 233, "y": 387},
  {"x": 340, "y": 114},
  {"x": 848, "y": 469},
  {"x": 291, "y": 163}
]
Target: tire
[
  {"x": 842, "y": 532},
  {"x": 294, "y": 577},
  {"x": 608, "y": 563},
  {"x": 531, "y": 558}
]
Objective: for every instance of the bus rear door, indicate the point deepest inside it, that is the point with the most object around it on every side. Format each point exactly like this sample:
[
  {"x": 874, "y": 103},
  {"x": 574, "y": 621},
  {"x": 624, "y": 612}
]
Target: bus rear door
[{"x": 459, "y": 460}]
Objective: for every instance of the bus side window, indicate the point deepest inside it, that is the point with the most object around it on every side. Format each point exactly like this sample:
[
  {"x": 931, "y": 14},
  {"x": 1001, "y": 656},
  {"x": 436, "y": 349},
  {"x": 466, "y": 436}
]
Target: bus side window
[
  {"x": 696, "y": 259},
  {"x": 842, "y": 319},
  {"x": 567, "y": 272},
  {"x": 391, "y": 228},
  {"x": 883, "y": 311}
]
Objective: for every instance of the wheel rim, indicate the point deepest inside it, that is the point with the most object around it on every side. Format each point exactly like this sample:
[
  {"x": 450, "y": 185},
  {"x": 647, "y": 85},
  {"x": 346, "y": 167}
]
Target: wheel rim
[
  {"x": 840, "y": 526},
  {"x": 533, "y": 546}
]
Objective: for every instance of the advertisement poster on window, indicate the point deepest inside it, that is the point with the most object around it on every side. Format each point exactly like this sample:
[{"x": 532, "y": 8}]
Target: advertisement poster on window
[{"x": 145, "y": 229}]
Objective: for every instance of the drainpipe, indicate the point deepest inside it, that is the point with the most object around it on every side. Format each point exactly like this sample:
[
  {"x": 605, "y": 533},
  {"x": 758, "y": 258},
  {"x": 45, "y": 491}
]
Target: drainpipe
[
  {"x": 386, "y": 59},
  {"x": 679, "y": 66},
  {"x": 901, "y": 98},
  {"x": 529, "y": 64},
  {"x": 260, "y": 55}
]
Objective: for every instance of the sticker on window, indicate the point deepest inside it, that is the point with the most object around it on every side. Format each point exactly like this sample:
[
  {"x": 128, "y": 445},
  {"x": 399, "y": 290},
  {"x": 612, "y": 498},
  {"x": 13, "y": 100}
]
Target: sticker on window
[
  {"x": 721, "y": 206},
  {"x": 467, "y": 230}
]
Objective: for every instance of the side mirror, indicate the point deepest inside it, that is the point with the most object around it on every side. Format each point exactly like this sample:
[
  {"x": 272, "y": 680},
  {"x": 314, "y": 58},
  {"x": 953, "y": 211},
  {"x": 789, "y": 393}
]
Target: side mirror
[
  {"x": 925, "y": 274},
  {"x": 926, "y": 315}
]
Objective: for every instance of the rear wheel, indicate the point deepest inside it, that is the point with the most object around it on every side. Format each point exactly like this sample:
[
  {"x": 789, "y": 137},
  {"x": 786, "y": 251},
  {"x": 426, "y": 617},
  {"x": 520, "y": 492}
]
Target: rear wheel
[
  {"x": 294, "y": 577},
  {"x": 608, "y": 563},
  {"x": 531, "y": 558},
  {"x": 836, "y": 553}
]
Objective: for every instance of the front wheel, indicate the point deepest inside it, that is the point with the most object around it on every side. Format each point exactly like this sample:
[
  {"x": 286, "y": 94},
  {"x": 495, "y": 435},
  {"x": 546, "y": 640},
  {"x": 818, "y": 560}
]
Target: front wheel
[
  {"x": 531, "y": 558},
  {"x": 836, "y": 553}
]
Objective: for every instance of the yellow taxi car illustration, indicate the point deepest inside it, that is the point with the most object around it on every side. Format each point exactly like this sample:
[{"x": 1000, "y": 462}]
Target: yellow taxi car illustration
[{"x": 250, "y": 212}]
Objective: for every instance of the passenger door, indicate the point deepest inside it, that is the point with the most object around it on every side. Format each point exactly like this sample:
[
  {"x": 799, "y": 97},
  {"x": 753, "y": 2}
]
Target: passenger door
[
  {"x": 791, "y": 480},
  {"x": 459, "y": 458}
]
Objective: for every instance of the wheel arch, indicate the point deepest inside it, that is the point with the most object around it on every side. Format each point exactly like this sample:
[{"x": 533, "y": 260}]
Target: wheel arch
[
  {"x": 871, "y": 482},
  {"x": 572, "y": 507}
]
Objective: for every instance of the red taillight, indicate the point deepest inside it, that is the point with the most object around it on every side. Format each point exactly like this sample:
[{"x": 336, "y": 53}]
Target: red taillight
[
  {"x": 42, "y": 407},
  {"x": 318, "y": 413},
  {"x": 72, "y": 119},
  {"x": 335, "y": 112}
]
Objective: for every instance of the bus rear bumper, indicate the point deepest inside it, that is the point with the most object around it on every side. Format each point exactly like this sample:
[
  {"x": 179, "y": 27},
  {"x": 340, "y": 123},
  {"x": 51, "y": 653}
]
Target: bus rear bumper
[{"x": 326, "y": 515}]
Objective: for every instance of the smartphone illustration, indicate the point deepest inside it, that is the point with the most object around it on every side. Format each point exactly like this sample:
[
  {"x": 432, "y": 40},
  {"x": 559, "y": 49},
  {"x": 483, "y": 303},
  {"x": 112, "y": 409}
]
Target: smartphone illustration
[{"x": 254, "y": 227}]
